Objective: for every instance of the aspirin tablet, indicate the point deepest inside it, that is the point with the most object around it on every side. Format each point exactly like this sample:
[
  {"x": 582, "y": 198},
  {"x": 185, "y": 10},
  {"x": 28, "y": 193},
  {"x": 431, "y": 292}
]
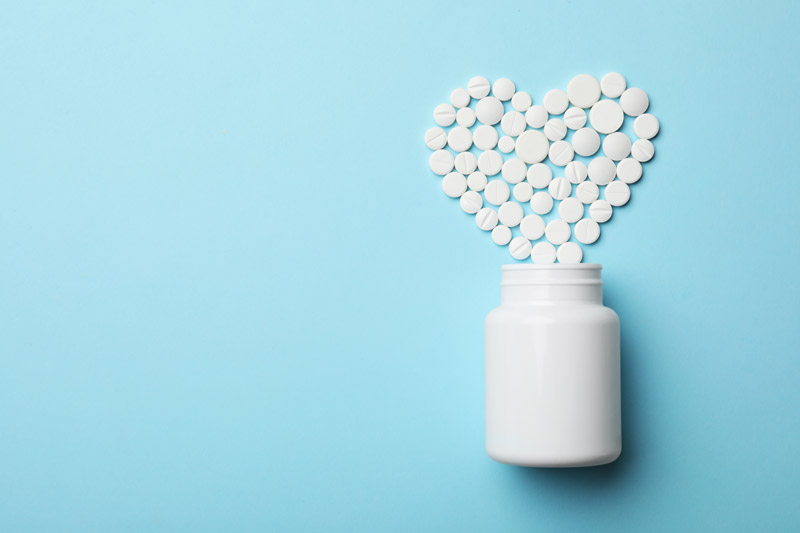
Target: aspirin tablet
[
  {"x": 485, "y": 137},
  {"x": 459, "y": 98},
  {"x": 489, "y": 110},
  {"x": 646, "y": 126},
  {"x": 465, "y": 117},
  {"x": 441, "y": 162},
  {"x": 561, "y": 153},
  {"x": 617, "y": 193},
  {"x": 569, "y": 252},
  {"x": 466, "y": 163},
  {"x": 514, "y": 170},
  {"x": 600, "y": 211},
  {"x": 570, "y": 210},
  {"x": 510, "y": 214},
  {"x": 476, "y": 181},
  {"x": 575, "y": 118},
  {"x": 521, "y": 101},
  {"x": 503, "y": 89},
  {"x": 586, "y": 142},
  {"x": 536, "y": 116},
  {"x": 587, "y": 192},
  {"x": 532, "y": 227},
  {"x": 444, "y": 114},
  {"x": 459, "y": 139},
  {"x": 513, "y": 123},
  {"x": 454, "y": 184},
  {"x": 601, "y": 170},
  {"x": 522, "y": 191},
  {"x": 555, "y": 129},
  {"x": 543, "y": 253},
  {"x": 576, "y": 172},
  {"x": 490, "y": 162},
  {"x": 583, "y": 90},
  {"x": 634, "y": 101},
  {"x": 587, "y": 231},
  {"x": 613, "y": 84},
  {"x": 501, "y": 235},
  {"x": 555, "y": 101},
  {"x": 486, "y": 218},
  {"x": 542, "y": 203},
  {"x": 617, "y": 146},
  {"x": 496, "y": 192},
  {"x": 629, "y": 170},
  {"x": 520, "y": 248},
  {"x": 471, "y": 202},
  {"x": 557, "y": 231},
  {"x": 539, "y": 175},
  {"x": 478, "y": 87},
  {"x": 606, "y": 116},
  {"x": 643, "y": 150},
  {"x": 506, "y": 144},
  {"x": 435, "y": 138},
  {"x": 559, "y": 188},
  {"x": 532, "y": 146}
]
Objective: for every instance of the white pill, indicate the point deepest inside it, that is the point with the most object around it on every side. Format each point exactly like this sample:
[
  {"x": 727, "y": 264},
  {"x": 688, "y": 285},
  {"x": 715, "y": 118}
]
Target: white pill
[
  {"x": 617, "y": 146},
  {"x": 489, "y": 110},
  {"x": 478, "y": 87},
  {"x": 514, "y": 170},
  {"x": 617, "y": 193},
  {"x": 476, "y": 181},
  {"x": 532, "y": 146},
  {"x": 646, "y": 126},
  {"x": 513, "y": 123},
  {"x": 503, "y": 89},
  {"x": 444, "y": 114},
  {"x": 435, "y": 138},
  {"x": 490, "y": 162},
  {"x": 521, "y": 101},
  {"x": 496, "y": 192},
  {"x": 600, "y": 211},
  {"x": 536, "y": 116},
  {"x": 576, "y": 172},
  {"x": 486, "y": 218},
  {"x": 505, "y": 144},
  {"x": 466, "y": 163},
  {"x": 539, "y": 175},
  {"x": 634, "y": 101},
  {"x": 459, "y": 139},
  {"x": 570, "y": 210},
  {"x": 501, "y": 235},
  {"x": 485, "y": 137},
  {"x": 585, "y": 141},
  {"x": 561, "y": 153},
  {"x": 441, "y": 162},
  {"x": 606, "y": 116},
  {"x": 532, "y": 227},
  {"x": 510, "y": 214},
  {"x": 459, "y": 98},
  {"x": 542, "y": 203},
  {"x": 522, "y": 191},
  {"x": 557, "y": 231},
  {"x": 555, "y": 101},
  {"x": 583, "y": 90},
  {"x": 575, "y": 118},
  {"x": 587, "y": 192},
  {"x": 569, "y": 252},
  {"x": 454, "y": 184},
  {"x": 465, "y": 117},
  {"x": 543, "y": 253},
  {"x": 643, "y": 150},
  {"x": 629, "y": 170},
  {"x": 613, "y": 84},
  {"x": 471, "y": 202},
  {"x": 555, "y": 129},
  {"x": 559, "y": 188},
  {"x": 520, "y": 248},
  {"x": 602, "y": 170},
  {"x": 587, "y": 231}
]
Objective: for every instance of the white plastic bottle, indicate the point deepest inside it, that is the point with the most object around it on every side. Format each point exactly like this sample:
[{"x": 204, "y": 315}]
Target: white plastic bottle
[{"x": 552, "y": 369}]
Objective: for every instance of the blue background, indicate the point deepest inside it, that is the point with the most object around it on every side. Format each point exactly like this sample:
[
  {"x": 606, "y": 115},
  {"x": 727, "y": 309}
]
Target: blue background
[{"x": 233, "y": 296}]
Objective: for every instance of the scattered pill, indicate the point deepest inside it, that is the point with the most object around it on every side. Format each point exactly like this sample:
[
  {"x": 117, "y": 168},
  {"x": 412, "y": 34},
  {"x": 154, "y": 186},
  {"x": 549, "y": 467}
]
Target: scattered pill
[
  {"x": 521, "y": 101},
  {"x": 569, "y": 252},
  {"x": 617, "y": 146},
  {"x": 642, "y": 150},
  {"x": 561, "y": 153},
  {"x": 490, "y": 162},
  {"x": 532, "y": 227},
  {"x": 543, "y": 253},
  {"x": 510, "y": 214},
  {"x": 634, "y": 101},
  {"x": 541, "y": 203},
  {"x": 606, "y": 116},
  {"x": 466, "y": 163},
  {"x": 503, "y": 89},
  {"x": 617, "y": 193},
  {"x": 583, "y": 90},
  {"x": 570, "y": 210},
  {"x": 471, "y": 202},
  {"x": 459, "y": 98},
  {"x": 441, "y": 162},
  {"x": 587, "y": 231},
  {"x": 506, "y": 144},
  {"x": 501, "y": 235},
  {"x": 522, "y": 192},
  {"x": 586, "y": 142},
  {"x": 454, "y": 184},
  {"x": 496, "y": 192},
  {"x": 555, "y": 101},
  {"x": 557, "y": 231},
  {"x": 514, "y": 170},
  {"x": 486, "y": 218},
  {"x": 532, "y": 146},
  {"x": 576, "y": 172},
  {"x": 513, "y": 123},
  {"x": 555, "y": 129},
  {"x": 435, "y": 138},
  {"x": 478, "y": 87},
  {"x": 444, "y": 114},
  {"x": 601, "y": 170},
  {"x": 613, "y": 84},
  {"x": 485, "y": 137},
  {"x": 600, "y": 211},
  {"x": 629, "y": 170},
  {"x": 587, "y": 192},
  {"x": 536, "y": 116},
  {"x": 520, "y": 248},
  {"x": 489, "y": 110},
  {"x": 559, "y": 188},
  {"x": 476, "y": 181},
  {"x": 539, "y": 175},
  {"x": 575, "y": 118},
  {"x": 465, "y": 117},
  {"x": 459, "y": 139},
  {"x": 645, "y": 126}
]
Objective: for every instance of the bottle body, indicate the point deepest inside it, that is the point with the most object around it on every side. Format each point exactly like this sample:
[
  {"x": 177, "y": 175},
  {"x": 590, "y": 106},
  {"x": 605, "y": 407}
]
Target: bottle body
[{"x": 552, "y": 369}]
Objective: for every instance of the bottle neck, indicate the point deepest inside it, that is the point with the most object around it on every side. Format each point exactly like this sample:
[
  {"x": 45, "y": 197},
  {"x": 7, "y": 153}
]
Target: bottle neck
[{"x": 551, "y": 284}]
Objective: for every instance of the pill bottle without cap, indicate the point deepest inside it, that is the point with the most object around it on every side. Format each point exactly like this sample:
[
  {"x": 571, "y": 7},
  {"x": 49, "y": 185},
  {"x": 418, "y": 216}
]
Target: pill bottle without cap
[{"x": 552, "y": 369}]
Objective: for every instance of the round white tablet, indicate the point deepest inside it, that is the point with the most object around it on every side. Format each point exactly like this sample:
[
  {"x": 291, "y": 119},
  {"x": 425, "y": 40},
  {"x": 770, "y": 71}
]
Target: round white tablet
[
  {"x": 561, "y": 153},
  {"x": 486, "y": 218},
  {"x": 501, "y": 235},
  {"x": 606, "y": 116},
  {"x": 575, "y": 118},
  {"x": 536, "y": 116},
  {"x": 532, "y": 146},
  {"x": 629, "y": 170},
  {"x": 543, "y": 253},
  {"x": 485, "y": 137},
  {"x": 643, "y": 150},
  {"x": 600, "y": 211},
  {"x": 587, "y": 192},
  {"x": 542, "y": 203},
  {"x": 521, "y": 101},
  {"x": 466, "y": 163},
  {"x": 471, "y": 202},
  {"x": 585, "y": 141},
  {"x": 557, "y": 231},
  {"x": 478, "y": 87},
  {"x": 459, "y": 98},
  {"x": 520, "y": 248},
  {"x": 617, "y": 193},
  {"x": 555, "y": 101},
  {"x": 476, "y": 181},
  {"x": 513, "y": 123},
  {"x": 601, "y": 170},
  {"x": 503, "y": 89},
  {"x": 465, "y": 117},
  {"x": 496, "y": 192},
  {"x": 539, "y": 175},
  {"x": 454, "y": 184},
  {"x": 522, "y": 191},
  {"x": 555, "y": 129},
  {"x": 514, "y": 170},
  {"x": 490, "y": 162},
  {"x": 569, "y": 252},
  {"x": 576, "y": 172},
  {"x": 459, "y": 139},
  {"x": 570, "y": 210},
  {"x": 532, "y": 227},
  {"x": 435, "y": 138},
  {"x": 587, "y": 231},
  {"x": 510, "y": 214},
  {"x": 489, "y": 110},
  {"x": 646, "y": 126},
  {"x": 441, "y": 162},
  {"x": 613, "y": 84},
  {"x": 559, "y": 188},
  {"x": 444, "y": 114},
  {"x": 583, "y": 90},
  {"x": 617, "y": 146},
  {"x": 506, "y": 144},
  {"x": 634, "y": 101}
]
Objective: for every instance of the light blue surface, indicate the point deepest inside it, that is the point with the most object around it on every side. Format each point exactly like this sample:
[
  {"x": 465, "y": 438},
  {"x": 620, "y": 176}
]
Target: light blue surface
[{"x": 234, "y": 298}]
